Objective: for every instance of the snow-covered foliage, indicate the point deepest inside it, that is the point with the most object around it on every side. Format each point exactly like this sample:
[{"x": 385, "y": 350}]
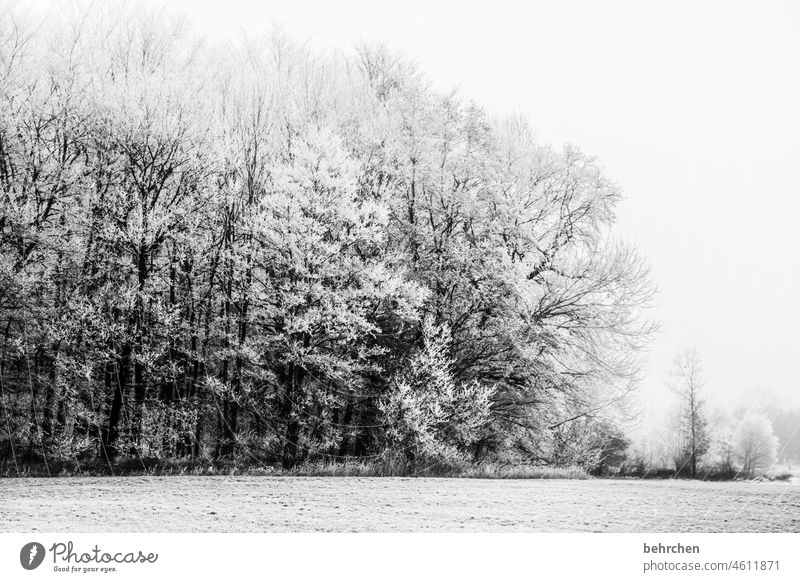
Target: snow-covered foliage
[
  {"x": 257, "y": 249},
  {"x": 428, "y": 413},
  {"x": 755, "y": 445}
]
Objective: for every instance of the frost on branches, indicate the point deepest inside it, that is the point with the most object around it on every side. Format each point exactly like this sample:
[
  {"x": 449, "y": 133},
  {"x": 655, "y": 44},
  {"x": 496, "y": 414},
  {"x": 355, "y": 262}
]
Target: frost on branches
[
  {"x": 262, "y": 253},
  {"x": 429, "y": 414}
]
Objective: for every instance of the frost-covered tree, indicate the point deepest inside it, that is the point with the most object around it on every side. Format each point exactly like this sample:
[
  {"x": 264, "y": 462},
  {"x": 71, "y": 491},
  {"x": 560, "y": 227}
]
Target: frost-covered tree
[
  {"x": 511, "y": 238},
  {"x": 755, "y": 444},
  {"x": 323, "y": 280},
  {"x": 428, "y": 414}
]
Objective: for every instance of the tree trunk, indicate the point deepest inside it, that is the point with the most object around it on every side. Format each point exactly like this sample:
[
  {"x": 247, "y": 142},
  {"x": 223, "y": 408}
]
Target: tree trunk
[
  {"x": 116, "y": 384},
  {"x": 139, "y": 386},
  {"x": 291, "y": 412},
  {"x": 48, "y": 417}
]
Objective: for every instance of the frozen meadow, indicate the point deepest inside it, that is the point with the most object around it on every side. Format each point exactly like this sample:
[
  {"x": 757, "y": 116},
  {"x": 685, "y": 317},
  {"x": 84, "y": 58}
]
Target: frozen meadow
[{"x": 353, "y": 504}]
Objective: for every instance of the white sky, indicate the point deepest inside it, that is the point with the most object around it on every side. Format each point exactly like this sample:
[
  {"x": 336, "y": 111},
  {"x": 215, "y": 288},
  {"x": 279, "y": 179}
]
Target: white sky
[{"x": 692, "y": 107}]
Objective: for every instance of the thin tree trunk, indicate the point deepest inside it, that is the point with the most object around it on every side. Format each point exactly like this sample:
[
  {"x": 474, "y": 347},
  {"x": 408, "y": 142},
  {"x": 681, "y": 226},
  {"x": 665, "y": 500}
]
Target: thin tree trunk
[
  {"x": 291, "y": 414},
  {"x": 116, "y": 383}
]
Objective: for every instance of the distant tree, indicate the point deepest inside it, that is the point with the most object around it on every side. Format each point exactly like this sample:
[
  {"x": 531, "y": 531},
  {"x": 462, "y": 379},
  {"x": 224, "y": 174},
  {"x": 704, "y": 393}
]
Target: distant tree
[
  {"x": 687, "y": 383},
  {"x": 722, "y": 446},
  {"x": 787, "y": 428},
  {"x": 755, "y": 444}
]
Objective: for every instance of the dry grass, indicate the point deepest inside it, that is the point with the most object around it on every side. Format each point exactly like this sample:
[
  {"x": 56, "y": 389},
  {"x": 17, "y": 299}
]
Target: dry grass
[
  {"x": 352, "y": 468},
  {"x": 463, "y": 470}
]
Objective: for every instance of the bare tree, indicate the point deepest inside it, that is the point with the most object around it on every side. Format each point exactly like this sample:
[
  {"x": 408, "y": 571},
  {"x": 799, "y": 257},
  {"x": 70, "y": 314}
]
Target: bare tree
[{"x": 687, "y": 383}]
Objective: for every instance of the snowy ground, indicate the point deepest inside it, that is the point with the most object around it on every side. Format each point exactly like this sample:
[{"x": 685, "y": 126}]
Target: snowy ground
[{"x": 263, "y": 504}]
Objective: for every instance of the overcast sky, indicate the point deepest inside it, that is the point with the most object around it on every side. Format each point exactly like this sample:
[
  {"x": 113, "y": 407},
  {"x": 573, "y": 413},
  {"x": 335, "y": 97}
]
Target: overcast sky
[{"x": 693, "y": 108}]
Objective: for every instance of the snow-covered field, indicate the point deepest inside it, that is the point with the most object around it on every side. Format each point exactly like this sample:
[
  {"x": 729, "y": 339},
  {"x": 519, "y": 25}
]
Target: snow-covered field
[{"x": 265, "y": 504}]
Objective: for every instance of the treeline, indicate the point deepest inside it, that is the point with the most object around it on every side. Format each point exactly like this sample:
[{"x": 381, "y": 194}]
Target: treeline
[
  {"x": 741, "y": 446},
  {"x": 263, "y": 251},
  {"x": 705, "y": 442}
]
